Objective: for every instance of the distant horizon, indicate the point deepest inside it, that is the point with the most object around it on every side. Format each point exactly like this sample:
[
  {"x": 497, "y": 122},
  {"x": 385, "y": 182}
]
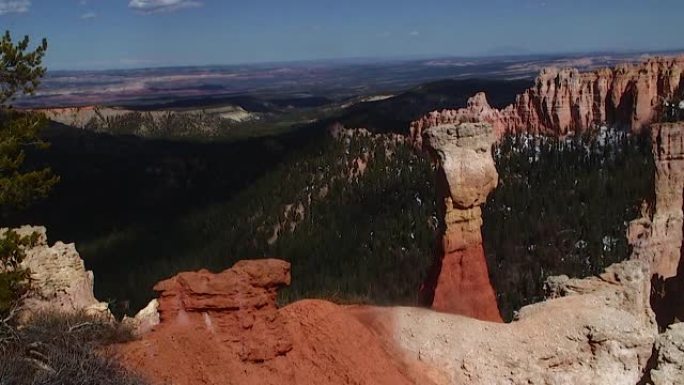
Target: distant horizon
[
  {"x": 127, "y": 34},
  {"x": 380, "y": 59},
  {"x": 333, "y": 79}
]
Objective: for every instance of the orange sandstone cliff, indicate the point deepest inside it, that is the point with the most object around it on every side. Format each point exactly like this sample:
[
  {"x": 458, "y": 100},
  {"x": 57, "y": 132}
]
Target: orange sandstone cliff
[
  {"x": 657, "y": 239},
  {"x": 565, "y": 100}
]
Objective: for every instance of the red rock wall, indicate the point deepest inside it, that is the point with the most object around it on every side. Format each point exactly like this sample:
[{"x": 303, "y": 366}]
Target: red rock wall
[{"x": 565, "y": 100}]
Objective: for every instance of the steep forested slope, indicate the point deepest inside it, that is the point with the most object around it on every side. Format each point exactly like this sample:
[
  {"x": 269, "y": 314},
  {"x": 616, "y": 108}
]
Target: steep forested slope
[
  {"x": 562, "y": 207},
  {"x": 355, "y": 215}
]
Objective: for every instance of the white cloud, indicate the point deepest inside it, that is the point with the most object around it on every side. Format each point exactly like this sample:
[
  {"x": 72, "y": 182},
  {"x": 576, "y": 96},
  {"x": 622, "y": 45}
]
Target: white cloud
[
  {"x": 152, "y": 6},
  {"x": 414, "y": 33},
  {"x": 89, "y": 15},
  {"x": 14, "y": 6}
]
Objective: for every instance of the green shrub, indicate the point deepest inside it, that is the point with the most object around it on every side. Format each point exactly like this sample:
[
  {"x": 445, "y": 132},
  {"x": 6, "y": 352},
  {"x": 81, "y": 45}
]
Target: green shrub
[
  {"x": 20, "y": 73},
  {"x": 14, "y": 280},
  {"x": 673, "y": 110},
  {"x": 20, "y": 185}
]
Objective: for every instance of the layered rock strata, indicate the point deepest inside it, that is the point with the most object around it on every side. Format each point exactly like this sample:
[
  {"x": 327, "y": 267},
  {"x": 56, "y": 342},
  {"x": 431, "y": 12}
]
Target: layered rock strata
[
  {"x": 59, "y": 280},
  {"x": 465, "y": 176},
  {"x": 565, "y": 100},
  {"x": 237, "y": 302}
]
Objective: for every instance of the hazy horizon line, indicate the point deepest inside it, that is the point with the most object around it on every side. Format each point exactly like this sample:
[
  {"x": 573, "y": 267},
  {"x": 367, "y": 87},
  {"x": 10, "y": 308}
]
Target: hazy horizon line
[{"x": 380, "y": 59}]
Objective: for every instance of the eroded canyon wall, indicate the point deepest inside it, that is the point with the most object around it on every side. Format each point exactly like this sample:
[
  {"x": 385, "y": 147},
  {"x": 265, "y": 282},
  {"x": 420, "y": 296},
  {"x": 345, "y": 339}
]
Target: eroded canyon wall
[
  {"x": 657, "y": 239},
  {"x": 466, "y": 175},
  {"x": 565, "y": 100}
]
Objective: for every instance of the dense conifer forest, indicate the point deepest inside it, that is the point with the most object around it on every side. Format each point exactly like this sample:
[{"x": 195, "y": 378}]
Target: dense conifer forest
[
  {"x": 355, "y": 214},
  {"x": 562, "y": 207}
]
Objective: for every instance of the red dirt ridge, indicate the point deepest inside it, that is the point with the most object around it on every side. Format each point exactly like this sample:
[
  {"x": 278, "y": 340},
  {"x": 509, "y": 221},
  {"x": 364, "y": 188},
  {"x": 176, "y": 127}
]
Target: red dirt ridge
[{"x": 225, "y": 328}]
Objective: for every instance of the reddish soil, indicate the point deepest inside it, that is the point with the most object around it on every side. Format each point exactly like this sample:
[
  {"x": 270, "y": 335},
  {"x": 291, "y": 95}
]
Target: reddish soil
[{"x": 225, "y": 329}]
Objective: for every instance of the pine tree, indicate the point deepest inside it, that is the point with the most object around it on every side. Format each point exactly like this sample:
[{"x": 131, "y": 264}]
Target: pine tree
[{"x": 20, "y": 74}]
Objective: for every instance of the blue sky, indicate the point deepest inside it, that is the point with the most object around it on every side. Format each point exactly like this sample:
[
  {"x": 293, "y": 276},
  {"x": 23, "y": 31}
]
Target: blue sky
[{"x": 95, "y": 34}]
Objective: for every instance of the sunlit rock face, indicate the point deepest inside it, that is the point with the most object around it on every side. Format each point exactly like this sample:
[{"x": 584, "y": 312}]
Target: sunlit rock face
[
  {"x": 59, "y": 281},
  {"x": 466, "y": 175},
  {"x": 669, "y": 347},
  {"x": 668, "y": 150},
  {"x": 564, "y": 100},
  {"x": 598, "y": 330},
  {"x": 657, "y": 239},
  {"x": 240, "y": 300}
]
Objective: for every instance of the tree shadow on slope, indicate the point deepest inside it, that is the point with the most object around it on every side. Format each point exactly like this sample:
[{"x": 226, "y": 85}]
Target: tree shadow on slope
[{"x": 367, "y": 238}]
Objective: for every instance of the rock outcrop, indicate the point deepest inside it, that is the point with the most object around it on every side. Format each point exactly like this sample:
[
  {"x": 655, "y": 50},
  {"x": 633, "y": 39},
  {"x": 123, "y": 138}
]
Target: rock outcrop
[
  {"x": 145, "y": 320},
  {"x": 225, "y": 328},
  {"x": 237, "y": 302},
  {"x": 59, "y": 280},
  {"x": 657, "y": 238},
  {"x": 465, "y": 176},
  {"x": 592, "y": 331},
  {"x": 666, "y": 238},
  {"x": 669, "y": 369},
  {"x": 565, "y": 100}
]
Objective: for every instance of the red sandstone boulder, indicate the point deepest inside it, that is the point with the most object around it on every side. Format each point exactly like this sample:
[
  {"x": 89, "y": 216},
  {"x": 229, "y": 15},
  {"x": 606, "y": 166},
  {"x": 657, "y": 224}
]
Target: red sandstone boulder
[
  {"x": 238, "y": 304},
  {"x": 225, "y": 328}
]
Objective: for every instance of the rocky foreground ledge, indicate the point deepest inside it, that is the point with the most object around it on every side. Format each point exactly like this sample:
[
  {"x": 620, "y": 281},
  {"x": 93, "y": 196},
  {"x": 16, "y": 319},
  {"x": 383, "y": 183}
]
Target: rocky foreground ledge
[{"x": 226, "y": 329}]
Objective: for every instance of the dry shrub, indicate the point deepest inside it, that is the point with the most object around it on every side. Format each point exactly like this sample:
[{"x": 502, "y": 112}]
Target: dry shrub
[{"x": 63, "y": 349}]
